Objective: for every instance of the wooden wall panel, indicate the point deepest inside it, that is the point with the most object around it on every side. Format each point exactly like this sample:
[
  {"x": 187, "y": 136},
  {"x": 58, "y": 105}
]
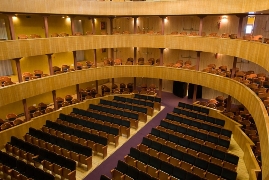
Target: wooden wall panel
[
  {"x": 133, "y": 8},
  {"x": 249, "y": 50}
]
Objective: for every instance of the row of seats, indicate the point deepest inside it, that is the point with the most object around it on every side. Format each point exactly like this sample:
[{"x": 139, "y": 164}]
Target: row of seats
[
  {"x": 91, "y": 125},
  {"x": 18, "y": 169},
  {"x": 193, "y": 108},
  {"x": 126, "y": 115},
  {"x": 61, "y": 142},
  {"x": 97, "y": 143},
  {"x": 147, "y": 98},
  {"x": 208, "y": 119},
  {"x": 140, "y": 109},
  {"x": 110, "y": 133},
  {"x": 21, "y": 148},
  {"x": 195, "y": 148},
  {"x": 175, "y": 168},
  {"x": 202, "y": 125},
  {"x": 65, "y": 162},
  {"x": 196, "y": 133},
  {"x": 122, "y": 124},
  {"x": 157, "y": 101},
  {"x": 87, "y": 135}
]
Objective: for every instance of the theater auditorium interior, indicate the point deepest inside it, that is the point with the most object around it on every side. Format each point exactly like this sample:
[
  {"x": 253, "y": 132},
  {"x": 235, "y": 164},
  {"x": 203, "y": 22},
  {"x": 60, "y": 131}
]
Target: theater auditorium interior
[{"x": 134, "y": 90}]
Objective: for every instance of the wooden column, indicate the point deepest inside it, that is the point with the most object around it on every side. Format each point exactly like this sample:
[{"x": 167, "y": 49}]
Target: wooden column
[
  {"x": 160, "y": 87},
  {"x": 135, "y": 55},
  {"x": 234, "y": 67},
  {"x": 93, "y": 26},
  {"x": 229, "y": 99},
  {"x": 54, "y": 100},
  {"x": 18, "y": 66},
  {"x": 201, "y": 25},
  {"x": 94, "y": 58},
  {"x": 111, "y": 32},
  {"x": 162, "y": 24},
  {"x": 50, "y": 64},
  {"x": 112, "y": 83},
  {"x": 161, "y": 56},
  {"x": 11, "y": 27},
  {"x": 197, "y": 69},
  {"x": 25, "y": 108},
  {"x": 134, "y": 83},
  {"x": 77, "y": 90},
  {"x": 111, "y": 25},
  {"x": 72, "y": 25},
  {"x": 46, "y": 26},
  {"x": 135, "y": 25},
  {"x": 75, "y": 59},
  {"x": 240, "y": 24},
  {"x": 96, "y": 86}
]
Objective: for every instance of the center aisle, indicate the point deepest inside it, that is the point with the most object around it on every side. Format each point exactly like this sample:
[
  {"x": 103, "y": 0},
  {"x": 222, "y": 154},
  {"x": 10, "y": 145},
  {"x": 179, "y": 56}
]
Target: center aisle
[{"x": 169, "y": 101}]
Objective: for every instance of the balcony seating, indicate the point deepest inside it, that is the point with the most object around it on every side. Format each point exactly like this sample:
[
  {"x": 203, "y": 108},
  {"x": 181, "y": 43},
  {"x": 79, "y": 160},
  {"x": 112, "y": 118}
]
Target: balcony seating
[
  {"x": 54, "y": 35},
  {"x": 38, "y": 73},
  {"x": 33, "y": 36},
  {"x": 184, "y": 33},
  {"x": 117, "y": 62},
  {"x": 26, "y": 76},
  {"x": 65, "y": 68},
  {"x": 5, "y": 125},
  {"x": 63, "y": 34},
  {"x": 11, "y": 117},
  {"x": 22, "y": 36},
  {"x": 140, "y": 61}
]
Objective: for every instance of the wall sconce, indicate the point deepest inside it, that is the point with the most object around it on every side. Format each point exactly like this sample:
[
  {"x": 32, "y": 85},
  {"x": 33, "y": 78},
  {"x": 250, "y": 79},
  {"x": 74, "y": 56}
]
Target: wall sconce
[
  {"x": 222, "y": 19},
  {"x": 14, "y": 17},
  {"x": 216, "y": 55}
]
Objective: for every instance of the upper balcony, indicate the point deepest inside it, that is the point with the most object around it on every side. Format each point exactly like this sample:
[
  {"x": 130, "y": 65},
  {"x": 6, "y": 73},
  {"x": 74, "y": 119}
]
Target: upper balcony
[{"x": 130, "y": 8}]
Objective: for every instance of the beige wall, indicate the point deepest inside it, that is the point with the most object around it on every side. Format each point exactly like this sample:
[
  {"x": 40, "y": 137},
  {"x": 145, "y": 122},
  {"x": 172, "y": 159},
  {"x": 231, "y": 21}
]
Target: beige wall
[{"x": 33, "y": 24}]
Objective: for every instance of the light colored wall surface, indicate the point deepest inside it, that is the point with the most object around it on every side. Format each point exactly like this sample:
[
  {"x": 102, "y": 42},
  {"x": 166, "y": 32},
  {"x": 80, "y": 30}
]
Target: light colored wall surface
[{"x": 34, "y": 24}]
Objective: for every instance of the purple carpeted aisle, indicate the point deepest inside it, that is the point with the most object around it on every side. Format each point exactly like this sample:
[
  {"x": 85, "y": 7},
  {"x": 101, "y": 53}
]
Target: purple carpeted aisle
[{"x": 169, "y": 101}]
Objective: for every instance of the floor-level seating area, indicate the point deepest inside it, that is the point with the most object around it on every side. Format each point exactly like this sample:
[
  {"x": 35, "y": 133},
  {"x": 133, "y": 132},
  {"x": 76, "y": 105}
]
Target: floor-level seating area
[{"x": 183, "y": 146}]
